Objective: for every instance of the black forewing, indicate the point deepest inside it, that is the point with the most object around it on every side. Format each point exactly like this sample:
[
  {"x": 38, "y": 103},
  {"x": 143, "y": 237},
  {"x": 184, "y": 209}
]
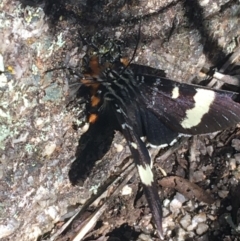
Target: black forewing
[
  {"x": 128, "y": 122},
  {"x": 157, "y": 93}
]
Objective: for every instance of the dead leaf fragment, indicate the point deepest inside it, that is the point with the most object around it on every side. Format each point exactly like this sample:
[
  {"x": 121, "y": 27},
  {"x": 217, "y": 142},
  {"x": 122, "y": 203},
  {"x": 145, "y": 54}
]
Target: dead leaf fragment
[{"x": 188, "y": 189}]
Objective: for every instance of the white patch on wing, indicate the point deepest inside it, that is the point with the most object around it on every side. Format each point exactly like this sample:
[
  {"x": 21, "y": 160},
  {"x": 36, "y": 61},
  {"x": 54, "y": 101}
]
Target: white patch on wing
[
  {"x": 123, "y": 126},
  {"x": 203, "y": 100},
  {"x": 162, "y": 145},
  {"x": 155, "y": 146},
  {"x": 134, "y": 145},
  {"x": 173, "y": 142},
  {"x": 85, "y": 127},
  {"x": 183, "y": 135},
  {"x": 175, "y": 93},
  {"x": 145, "y": 174}
]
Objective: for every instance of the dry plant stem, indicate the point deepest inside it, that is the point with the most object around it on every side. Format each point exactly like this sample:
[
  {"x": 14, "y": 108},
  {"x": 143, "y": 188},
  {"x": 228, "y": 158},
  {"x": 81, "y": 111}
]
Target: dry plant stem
[
  {"x": 91, "y": 221},
  {"x": 101, "y": 191},
  {"x": 224, "y": 78},
  {"x": 227, "y": 79},
  {"x": 231, "y": 60},
  {"x": 192, "y": 157}
]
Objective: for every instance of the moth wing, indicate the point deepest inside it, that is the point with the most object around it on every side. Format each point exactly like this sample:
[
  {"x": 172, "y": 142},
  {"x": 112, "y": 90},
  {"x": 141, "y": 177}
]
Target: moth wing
[
  {"x": 143, "y": 163},
  {"x": 155, "y": 131},
  {"x": 189, "y": 109}
]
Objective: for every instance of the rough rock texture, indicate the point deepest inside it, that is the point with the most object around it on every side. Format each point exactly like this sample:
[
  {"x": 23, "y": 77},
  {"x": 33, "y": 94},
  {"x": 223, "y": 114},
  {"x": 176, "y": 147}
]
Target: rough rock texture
[{"x": 38, "y": 143}]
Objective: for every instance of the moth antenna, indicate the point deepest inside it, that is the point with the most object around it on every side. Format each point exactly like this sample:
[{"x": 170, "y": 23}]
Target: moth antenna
[
  {"x": 71, "y": 70},
  {"x": 135, "y": 49},
  {"x": 138, "y": 40}
]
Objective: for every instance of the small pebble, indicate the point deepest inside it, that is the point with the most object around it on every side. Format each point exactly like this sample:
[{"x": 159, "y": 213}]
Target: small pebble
[
  {"x": 144, "y": 237},
  {"x": 30, "y": 180},
  {"x": 35, "y": 232},
  {"x": 236, "y": 144},
  {"x": 186, "y": 221},
  {"x": 202, "y": 228},
  {"x": 126, "y": 190},
  {"x": 175, "y": 206},
  {"x": 198, "y": 176},
  {"x": 169, "y": 223},
  {"x": 119, "y": 147},
  {"x": 232, "y": 164},
  {"x": 200, "y": 218},
  {"x": 210, "y": 150},
  {"x": 49, "y": 149},
  {"x": 229, "y": 208},
  {"x": 1, "y": 64},
  {"x": 203, "y": 3},
  {"x": 165, "y": 211},
  {"x": 118, "y": 34},
  {"x": 212, "y": 217},
  {"x": 218, "y": 203},
  {"x": 237, "y": 157},
  {"x": 166, "y": 202},
  {"x": 223, "y": 194},
  {"x": 181, "y": 236},
  {"x": 10, "y": 227},
  {"x": 190, "y": 205},
  {"x": 3, "y": 80},
  {"x": 180, "y": 197},
  {"x": 39, "y": 122},
  {"x": 52, "y": 211},
  {"x": 192, "y": 226}
]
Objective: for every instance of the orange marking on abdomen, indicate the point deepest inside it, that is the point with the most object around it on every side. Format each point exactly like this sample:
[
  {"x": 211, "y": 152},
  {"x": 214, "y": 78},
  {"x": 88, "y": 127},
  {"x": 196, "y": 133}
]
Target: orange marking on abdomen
[
  {"x": 92, "y": 118},
  {"x": 124, "y": 61},
  {"x": 95, "y": 100},
  {"x": 94, "y": 65}
]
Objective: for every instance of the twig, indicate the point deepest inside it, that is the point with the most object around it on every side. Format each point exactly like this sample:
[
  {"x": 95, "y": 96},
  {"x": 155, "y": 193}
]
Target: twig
[
  {"x": 91, "y": 221},
  {"x": 113, "y": 180}
]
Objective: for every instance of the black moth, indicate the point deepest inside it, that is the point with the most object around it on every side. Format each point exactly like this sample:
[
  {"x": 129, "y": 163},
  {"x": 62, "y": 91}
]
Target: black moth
[{"x": 141, "y": 105}]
